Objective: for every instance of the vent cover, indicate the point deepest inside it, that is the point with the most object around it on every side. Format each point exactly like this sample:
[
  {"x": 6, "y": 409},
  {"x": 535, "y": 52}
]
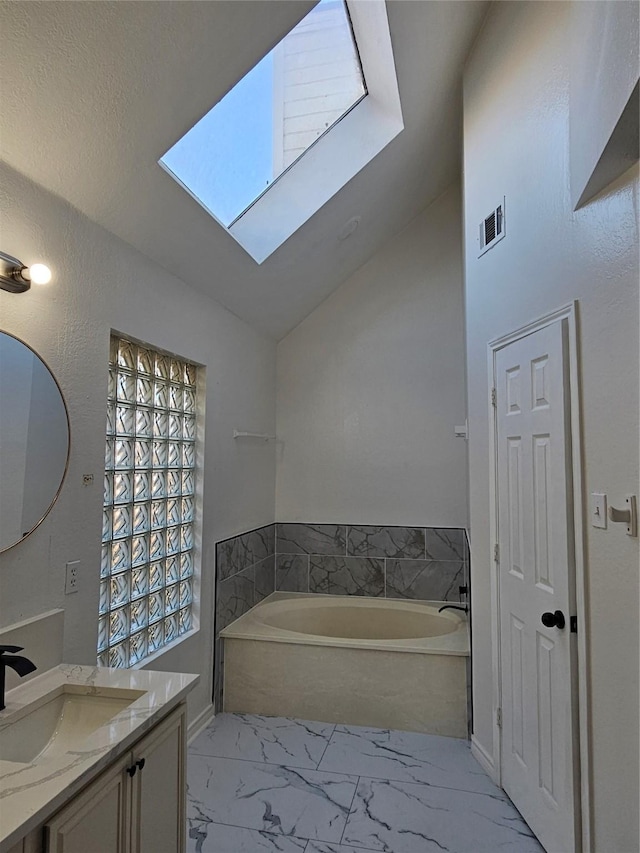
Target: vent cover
[{"x": 492, "y": 229}]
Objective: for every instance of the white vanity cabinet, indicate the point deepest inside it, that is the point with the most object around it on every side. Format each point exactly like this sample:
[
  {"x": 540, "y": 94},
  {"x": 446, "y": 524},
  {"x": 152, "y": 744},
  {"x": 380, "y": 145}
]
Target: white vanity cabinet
[{"x": 136, "y": 806}]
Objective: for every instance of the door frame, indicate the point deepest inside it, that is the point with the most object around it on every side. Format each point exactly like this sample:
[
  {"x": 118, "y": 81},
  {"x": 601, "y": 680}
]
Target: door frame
[{"x": 581, "y": 742}]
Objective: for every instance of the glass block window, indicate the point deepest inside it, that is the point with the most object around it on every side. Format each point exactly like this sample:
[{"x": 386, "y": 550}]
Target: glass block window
[{"x": 146, "y": 575}]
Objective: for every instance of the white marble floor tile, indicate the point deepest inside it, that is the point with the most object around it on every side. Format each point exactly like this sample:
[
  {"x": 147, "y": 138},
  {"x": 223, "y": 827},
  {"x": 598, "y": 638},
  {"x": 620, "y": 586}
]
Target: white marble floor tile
[
  {"x": 218, "y": 838},
  {"x": 268, "y": 797},
  {"x": 406, "y": 757},
  {"x": 275, "y": 740},
  {"x": 322, "y": 847},
  {"x": 412, "y": 818}
]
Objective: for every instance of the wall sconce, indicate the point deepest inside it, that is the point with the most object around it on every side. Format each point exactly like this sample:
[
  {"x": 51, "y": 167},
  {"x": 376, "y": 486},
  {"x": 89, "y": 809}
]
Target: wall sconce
[{"x": 16, "y": 277}]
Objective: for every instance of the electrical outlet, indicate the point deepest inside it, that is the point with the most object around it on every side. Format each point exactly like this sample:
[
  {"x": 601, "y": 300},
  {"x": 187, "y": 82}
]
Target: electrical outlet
[{"x": 72, "y": 577}]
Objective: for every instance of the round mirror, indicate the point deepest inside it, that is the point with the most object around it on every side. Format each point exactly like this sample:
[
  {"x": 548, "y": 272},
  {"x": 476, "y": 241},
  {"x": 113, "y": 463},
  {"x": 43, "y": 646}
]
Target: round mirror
[{"x": 34, "y": 440}]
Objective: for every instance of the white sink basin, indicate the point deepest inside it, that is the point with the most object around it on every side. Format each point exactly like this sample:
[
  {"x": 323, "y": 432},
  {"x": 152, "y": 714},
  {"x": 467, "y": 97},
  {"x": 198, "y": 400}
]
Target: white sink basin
[{"x": 59, "y": 721}]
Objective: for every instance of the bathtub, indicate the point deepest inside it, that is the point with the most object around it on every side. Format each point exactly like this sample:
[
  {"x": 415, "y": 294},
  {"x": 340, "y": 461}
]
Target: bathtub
[{"x": 379, "y": 662}]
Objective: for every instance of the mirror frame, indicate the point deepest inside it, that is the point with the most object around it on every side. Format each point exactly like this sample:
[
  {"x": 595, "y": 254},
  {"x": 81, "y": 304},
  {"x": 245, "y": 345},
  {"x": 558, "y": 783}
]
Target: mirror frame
[{"x": 66, "y": 463}]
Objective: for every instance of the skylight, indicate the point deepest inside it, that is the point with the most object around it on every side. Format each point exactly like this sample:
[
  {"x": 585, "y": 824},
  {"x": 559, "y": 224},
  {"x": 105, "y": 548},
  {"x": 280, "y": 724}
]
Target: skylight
[{"x": 286, "y": 103}]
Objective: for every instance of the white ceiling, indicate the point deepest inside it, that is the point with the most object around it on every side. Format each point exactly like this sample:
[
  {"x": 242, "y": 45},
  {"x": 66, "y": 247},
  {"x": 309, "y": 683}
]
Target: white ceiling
[{"x": 94, "y": 93}]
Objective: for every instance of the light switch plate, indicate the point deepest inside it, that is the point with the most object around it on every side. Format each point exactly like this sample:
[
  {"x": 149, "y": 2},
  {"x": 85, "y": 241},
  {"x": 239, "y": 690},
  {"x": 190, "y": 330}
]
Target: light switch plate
[{"x": 598, "y": 510}]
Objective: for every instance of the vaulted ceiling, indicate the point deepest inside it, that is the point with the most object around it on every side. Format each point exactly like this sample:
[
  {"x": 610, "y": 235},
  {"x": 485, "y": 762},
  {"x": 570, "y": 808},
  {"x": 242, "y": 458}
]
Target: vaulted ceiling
[{"x": 94, "y": 93}]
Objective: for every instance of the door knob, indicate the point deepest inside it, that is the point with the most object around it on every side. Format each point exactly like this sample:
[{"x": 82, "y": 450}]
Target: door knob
[{"x": 553, "y": 620}]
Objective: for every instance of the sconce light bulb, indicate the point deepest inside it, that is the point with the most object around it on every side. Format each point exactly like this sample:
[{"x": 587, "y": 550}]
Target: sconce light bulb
[{"x": 39, "y": 274}]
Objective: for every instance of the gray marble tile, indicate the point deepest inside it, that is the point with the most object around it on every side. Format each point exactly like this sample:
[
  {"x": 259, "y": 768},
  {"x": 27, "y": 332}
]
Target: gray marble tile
[
  {"x": 238, "y": 553},
  {"x": 444, "y": 543},
  {"x": 292, "y": 572},
  {"x": 311, "y": 539},
  {"x": 235, "y": 596},
  {"x": 346, "y": 575},
  {"x": 405, "y": 542},
  {"x": 406, "y": 818},
  {"x": 262, "y": 542},
  {"x": 431, "y": 580},
  {"x": 406, "y": 757},
  {"x": 206, "y": 837},
  {"x": 218, "y": 667},
  {"x": 264, "y": 577},
  {"x": 268, "y": 797},
  {"x": 274, "y": 740},
  {"x": 322, "y": 847}
]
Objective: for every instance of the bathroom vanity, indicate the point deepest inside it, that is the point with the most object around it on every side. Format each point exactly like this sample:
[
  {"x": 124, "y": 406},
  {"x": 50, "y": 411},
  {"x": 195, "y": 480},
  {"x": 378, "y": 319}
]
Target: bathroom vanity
[{"x": 92, "y": 760}]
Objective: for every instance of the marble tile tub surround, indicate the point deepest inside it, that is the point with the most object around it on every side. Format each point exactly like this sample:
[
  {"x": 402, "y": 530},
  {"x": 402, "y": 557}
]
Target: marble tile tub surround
[{"x": 259, "y": 783}]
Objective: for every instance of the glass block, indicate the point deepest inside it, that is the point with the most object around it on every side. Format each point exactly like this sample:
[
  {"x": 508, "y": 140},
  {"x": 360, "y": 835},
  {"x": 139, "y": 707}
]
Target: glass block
[
  {"x": 144, "y": 423},
  {"x": 143, "y": 453},
  {"x": 184, "y": 620},
  {"x": 142, "y": 485},
  {"x": 125, "y": 387},
  {"x": 188, "y": 508},
  {"x": 122, "y": 521},
  {"x": 173, "y": 540},
  {"x": 174, "y": 454},
  {"x": 127, "y": 354},
  {"x": 189, "y": 427},
  {"x": 156, "y": 606},
  {"x": 109, "y": 457},
  {"x": 175, "y": 425},
  {"x": 186, "y": 564},
  {"x": 174, "y": 481},
  {"x": 122, "y": 487},
  {"x": 105, "y": 561},
  {"x": 187, "y": 482},
  {"x": 171, "y": 628},
  {"x": 123, "y": 449},
  {"x": 189, "y": 374},
  {"x": 145, "y": 361},
  {"x": 118, "y": 625},
  {"x": 111, "y": 383},
  {"x": 108, "y": 489},
  {"x": 144, "y": 391},
  {"x": 119, "y": 589},
  {"x": 137, "y": 647},
  {"x": 139, "y": 581},
  {"x": 103, "y": 633},
  {"x": 106, "y": 524},
  {"x": 159, "y": 484},
  {"x": 189, "y": 401},
  {"x": 188, "y": 455},
  {"x": 161, "y": 424},
  {"x": 172, "y": 569},
  {"x": 176, "y": 370},
  {"x": 186, "y": 593},
  {"x": 118, "y": 656},
  {"x": 160, "y": 395},
  {"x": 111, "y": 418},
  {"x": 113, "y": 350},
  {"x": 162, "y": 366},
  {"x": 186, "y": 537},
  {"x": 103, "y": 659},
  {"x": 158, "y": 514},
  {"x": 125, "y": 420},
  {"x": 173, "y": 511},
  {"x": 155, "y": 636},
  {"x": 157, "y": 545},
  {"x": 120, "y": 555},
  {"x": 139, "y": 614},
  {"x": 141, "y": 517},
  {"x": 139, "y": 550},
  {"x": 156, "y": 575},
  {"x": 160, "y": 454},
  {"x": 175, "y": 397},
  {"x": 103, "y": 606}
]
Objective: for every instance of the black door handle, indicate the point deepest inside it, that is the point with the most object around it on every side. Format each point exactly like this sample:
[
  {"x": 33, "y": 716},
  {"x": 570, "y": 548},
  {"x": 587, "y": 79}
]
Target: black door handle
[
  {"x": 140, "y": 763},
  {"x": 553, "y": 620},
  {"x": 132, "y": 770}
]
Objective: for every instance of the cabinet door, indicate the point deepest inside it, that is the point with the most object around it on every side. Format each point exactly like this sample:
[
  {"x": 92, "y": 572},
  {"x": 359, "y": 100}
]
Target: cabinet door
[
  {"x": 159, "y": 788},
  {"x": 97, "y": 820}
]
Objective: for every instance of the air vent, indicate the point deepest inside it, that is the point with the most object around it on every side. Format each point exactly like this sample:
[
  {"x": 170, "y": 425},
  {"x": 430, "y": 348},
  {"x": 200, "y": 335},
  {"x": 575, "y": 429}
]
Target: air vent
[{"x": 492, "y": 229}]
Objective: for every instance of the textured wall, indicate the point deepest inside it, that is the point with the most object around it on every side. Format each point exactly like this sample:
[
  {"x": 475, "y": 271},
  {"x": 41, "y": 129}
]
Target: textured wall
[
  {"x": 101, "y": 283},
  {"x": 516, "y": 142}
]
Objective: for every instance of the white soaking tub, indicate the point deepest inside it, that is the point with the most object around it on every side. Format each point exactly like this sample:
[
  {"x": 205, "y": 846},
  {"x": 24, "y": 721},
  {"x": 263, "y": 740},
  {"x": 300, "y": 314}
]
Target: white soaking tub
[{"x": 379, "y": 662}]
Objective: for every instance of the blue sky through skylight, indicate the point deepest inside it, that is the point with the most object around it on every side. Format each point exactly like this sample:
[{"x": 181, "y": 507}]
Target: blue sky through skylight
[{"x": 297, "y": 91}]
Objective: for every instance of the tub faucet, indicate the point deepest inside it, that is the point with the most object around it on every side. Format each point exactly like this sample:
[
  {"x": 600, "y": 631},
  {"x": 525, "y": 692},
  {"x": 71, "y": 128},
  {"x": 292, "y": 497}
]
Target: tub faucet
[
  {"x": 453, "y": 607},
  {"x": 23, "y": 666}
]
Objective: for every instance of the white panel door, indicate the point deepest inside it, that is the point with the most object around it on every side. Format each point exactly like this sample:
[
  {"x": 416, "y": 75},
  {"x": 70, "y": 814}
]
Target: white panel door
[{"x": 536, "y": 566}]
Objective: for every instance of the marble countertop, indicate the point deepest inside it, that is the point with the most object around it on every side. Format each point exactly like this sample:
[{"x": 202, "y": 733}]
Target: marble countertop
[{"x": 31, "y": 793}]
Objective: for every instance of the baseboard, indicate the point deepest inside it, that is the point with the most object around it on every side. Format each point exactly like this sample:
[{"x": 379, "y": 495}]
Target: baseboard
[
  {"x": 484, "y": 759},
  {"x": 200, "y": 723}
]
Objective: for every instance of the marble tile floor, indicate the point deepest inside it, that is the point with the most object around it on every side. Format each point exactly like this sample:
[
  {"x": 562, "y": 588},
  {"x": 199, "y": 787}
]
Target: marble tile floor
[{"x": 274, "y": 785}]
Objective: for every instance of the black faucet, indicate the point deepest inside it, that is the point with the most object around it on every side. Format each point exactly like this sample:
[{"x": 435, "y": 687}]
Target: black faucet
[
  {"x": 23, "y": 666},
  {"x": 453, "y": 607}
]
